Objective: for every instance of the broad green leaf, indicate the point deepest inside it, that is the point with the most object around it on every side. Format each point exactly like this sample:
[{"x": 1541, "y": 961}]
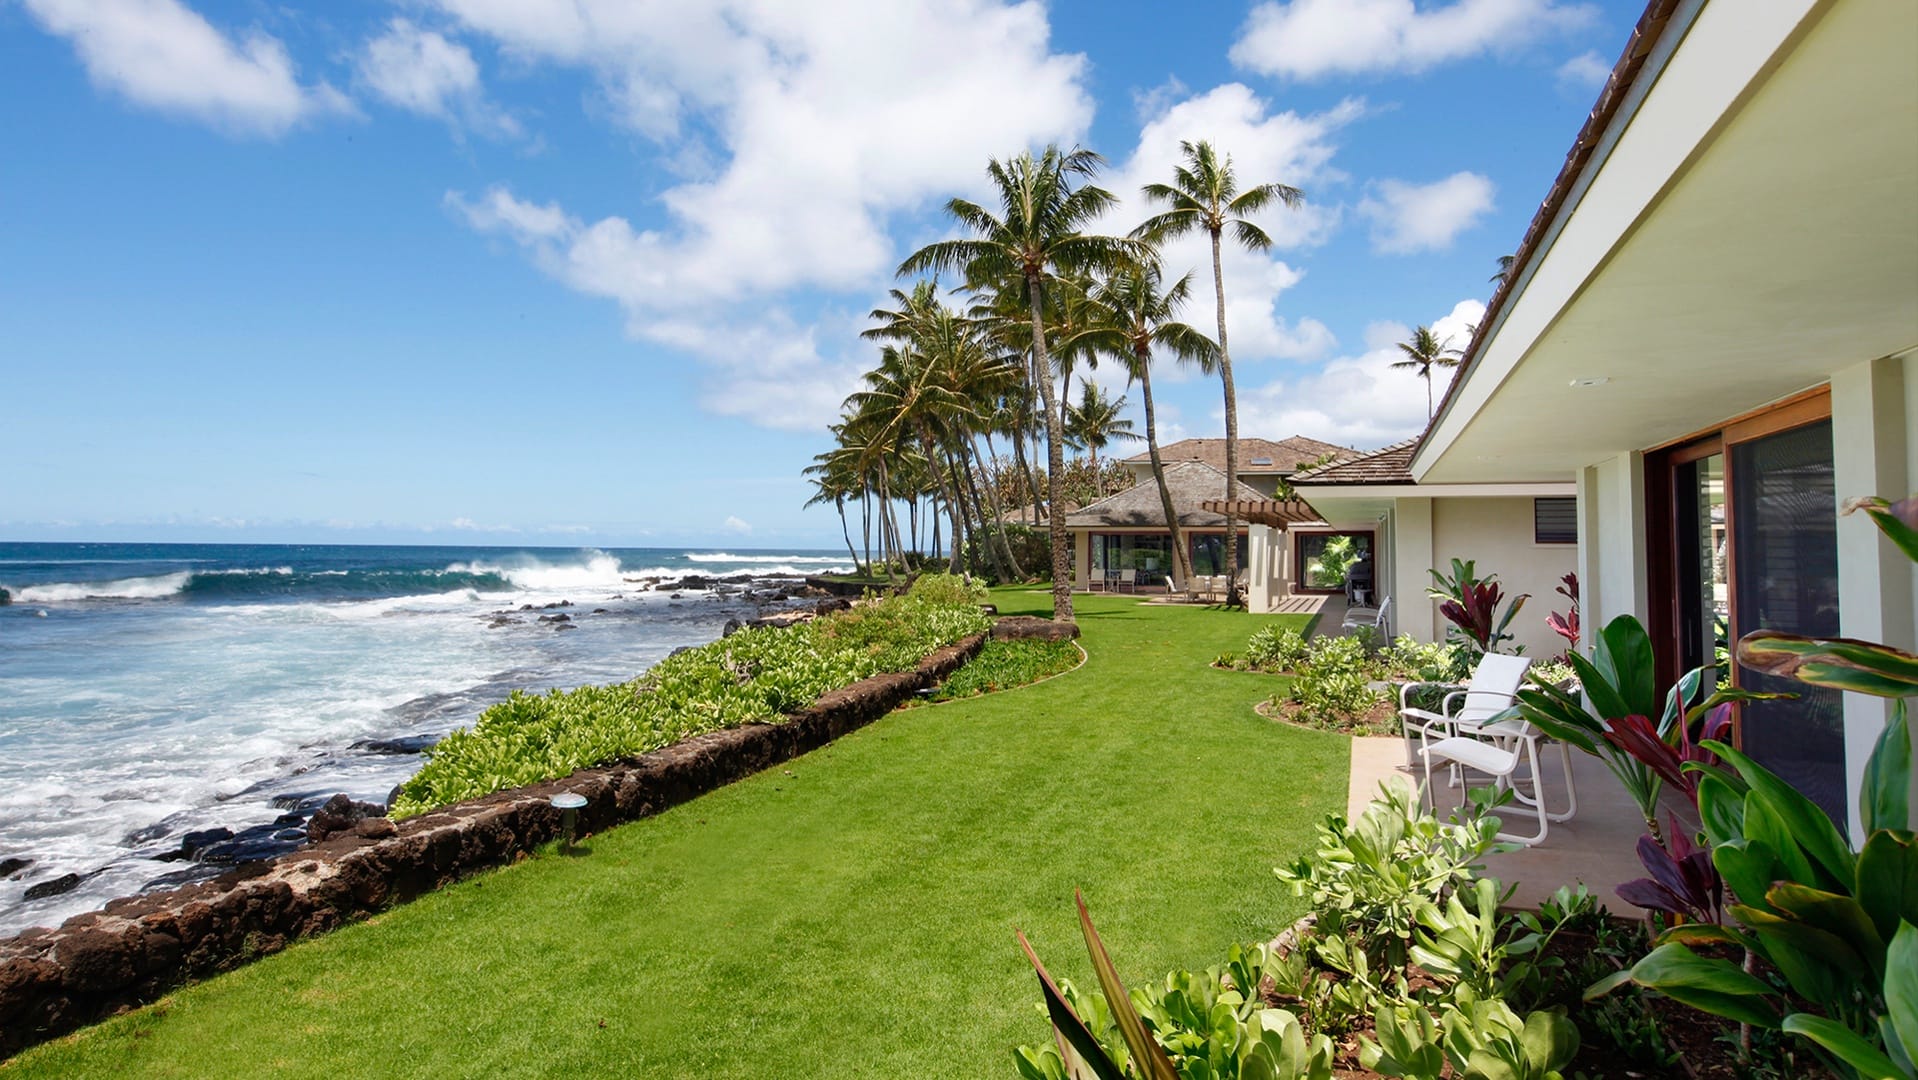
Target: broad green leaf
[
  {"x": 1608, "y": 984},
  {"x": 1888, "y": 879},
  {"x": 1884, "y": 802},
  {"x": 1485, "y": 1065},
  {"x": 1840, "y": 916},
  {"x": 1864, "y": 667},
  {"x": 1721, "y": 809},
  {"x": 1748, "y": 867},
  {"x": 1809, "y": 825},
  {"x": 1901, "y": 988},
  {"x": 1549, "y": 1040},
  {"x": 1067, "y": 1023},
  {"x": 1147, "y": 1054},
  {"x": 1765, "y": 824},
  {"x": 1819, "y": 965},
  {"x": 1626, "y": 650},
  {"x": 1673, "y": 969},
  {"x": 1700, "y": 933},
  {"x": 1846, "y": 1044},
  {"x": 1898, "y": 521}
]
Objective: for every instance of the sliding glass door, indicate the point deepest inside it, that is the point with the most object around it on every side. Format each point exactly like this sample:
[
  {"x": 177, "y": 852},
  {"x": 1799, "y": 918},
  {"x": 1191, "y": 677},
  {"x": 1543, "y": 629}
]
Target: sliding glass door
[{"x": 1744, "y": 536}]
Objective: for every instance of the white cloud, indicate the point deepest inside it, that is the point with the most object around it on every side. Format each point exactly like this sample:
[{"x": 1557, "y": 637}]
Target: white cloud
[
  {"x": 466, "y": 524},
  {"x": 1312, "y": 39},
  {"x": 1408, "y": 218},
  {"x": 424, "y": 72},
  {"x": 1584, "y": 73},
  {"x": 1265, "y": 146},
  {"x": 163, "y": 55},
  {"x": 802, "y": 132},
  {"x": 736, "y": 526},
  {"x": 1357, "y": 400}
]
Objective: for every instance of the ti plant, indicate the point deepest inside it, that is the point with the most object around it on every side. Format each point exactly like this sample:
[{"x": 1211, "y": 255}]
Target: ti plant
[
  {"x": 1198, "y": 1027},
  {"x": 1840, "y": 924},
  {"x": 1471, "y": 604},
  {"x": 1618, "y": 681},
  {"x": 1566, "y": 625}
]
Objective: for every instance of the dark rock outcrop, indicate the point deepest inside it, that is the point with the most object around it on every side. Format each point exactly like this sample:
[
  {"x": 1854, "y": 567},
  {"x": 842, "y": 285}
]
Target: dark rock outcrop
[
  {"x": 65, "y": 883},
  {"x": 338, "y": 816},
  {"x": 10, "y": 867},
  {"x": 137, "y": 948},
  {"x": 405, "y": 744},
  {"x": 1015, "y": 627}
]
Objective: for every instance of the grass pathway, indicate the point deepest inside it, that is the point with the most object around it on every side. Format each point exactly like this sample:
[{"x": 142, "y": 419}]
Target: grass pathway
[{"x": 849, "y": 914}]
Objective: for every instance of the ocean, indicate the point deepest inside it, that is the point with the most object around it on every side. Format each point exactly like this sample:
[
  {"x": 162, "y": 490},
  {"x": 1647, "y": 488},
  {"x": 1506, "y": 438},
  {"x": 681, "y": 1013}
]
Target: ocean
[{"x": 161, "y": 698}]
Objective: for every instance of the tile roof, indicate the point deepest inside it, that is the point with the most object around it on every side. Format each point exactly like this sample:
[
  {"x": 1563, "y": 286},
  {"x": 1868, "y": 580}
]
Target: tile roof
[
  {"x": 1282, "y": 456},
  {"x": 1386, "y": 465},
  {"x": 1191, "y": 482}
]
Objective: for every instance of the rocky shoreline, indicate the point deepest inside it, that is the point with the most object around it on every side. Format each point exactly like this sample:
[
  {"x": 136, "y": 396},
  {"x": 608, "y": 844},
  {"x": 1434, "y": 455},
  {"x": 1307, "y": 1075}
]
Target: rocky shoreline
[
  {"x": 356, "y": 862},
  {"x": 201, "y": 851}
]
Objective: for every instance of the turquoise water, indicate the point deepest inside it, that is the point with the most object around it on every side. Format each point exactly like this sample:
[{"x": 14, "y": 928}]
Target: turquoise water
[{"x": 147, "y": 691}]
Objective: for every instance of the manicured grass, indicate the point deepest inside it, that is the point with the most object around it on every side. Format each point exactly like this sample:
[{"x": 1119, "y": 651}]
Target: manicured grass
[
  {"x": 850, "y": 914},
  {"x": 1008, "y": 665}
]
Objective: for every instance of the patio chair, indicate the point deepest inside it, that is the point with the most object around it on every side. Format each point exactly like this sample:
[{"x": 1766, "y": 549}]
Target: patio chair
[
  {"x": 1128, "y": 580},
  {"x": 1497, "y": 749},
  {"x": 1379, "y": 618},
  {"x": 1463, "y": 709}
]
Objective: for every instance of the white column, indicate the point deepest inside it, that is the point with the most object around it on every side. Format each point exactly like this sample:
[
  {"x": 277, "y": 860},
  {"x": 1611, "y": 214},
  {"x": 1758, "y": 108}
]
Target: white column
[
  {"x": 1260, "y": 572},
  {"x": 1413, "y": 612},
  {"x": 1871, "y": 433}
]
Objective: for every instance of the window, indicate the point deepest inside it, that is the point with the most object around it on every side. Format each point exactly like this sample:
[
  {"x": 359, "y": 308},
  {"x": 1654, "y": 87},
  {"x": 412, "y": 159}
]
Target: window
[{"x": 1555, "y": 521}]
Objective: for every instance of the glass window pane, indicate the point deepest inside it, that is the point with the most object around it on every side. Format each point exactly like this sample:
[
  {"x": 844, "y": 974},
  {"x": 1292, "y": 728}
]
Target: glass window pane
[{"x": 1785, "y": 577}]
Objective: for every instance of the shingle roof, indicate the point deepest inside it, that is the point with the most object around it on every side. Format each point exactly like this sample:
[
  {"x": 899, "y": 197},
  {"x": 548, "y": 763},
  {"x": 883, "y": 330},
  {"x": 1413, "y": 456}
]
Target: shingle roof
[
  {"x": 1282, "y": 456},
  {"x": 1387, "y": 465},
  {"x": 1190, "y": 482}
]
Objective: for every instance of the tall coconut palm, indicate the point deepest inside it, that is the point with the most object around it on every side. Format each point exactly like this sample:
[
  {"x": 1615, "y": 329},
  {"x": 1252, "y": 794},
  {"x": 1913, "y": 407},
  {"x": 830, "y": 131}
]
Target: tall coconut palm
[
  {"x": 1423, "y": 353},
  {"x": 1095, "y": 421},
  {"x": 1037, "y": 231},
  {"x": 1204, "y": 195},
  {"x": 835, "y": 478},
  {"x": 1139, "y": 315},
  {"x": 1504, "y": 269}
]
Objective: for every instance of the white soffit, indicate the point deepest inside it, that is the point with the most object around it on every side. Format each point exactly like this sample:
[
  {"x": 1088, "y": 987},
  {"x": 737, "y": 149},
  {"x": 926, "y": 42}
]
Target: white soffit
[{"x": 1785, "y": 249}]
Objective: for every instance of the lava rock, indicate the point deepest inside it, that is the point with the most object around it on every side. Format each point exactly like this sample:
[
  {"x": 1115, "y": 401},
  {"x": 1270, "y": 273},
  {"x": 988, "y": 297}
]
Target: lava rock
[
  {"x": 561, "y": 618},
  {"x": 405, "y": 744},
  {"x": 501, "y": 620},
  {"x": 375, "y": 828},
  {"x": 733, "y": 626},
  {"x": 556, "y": 604},
  {"x": 338, "y": 816},
  {"x": 10, "y": 867},
  {"x": 61, "y": 885},
  {"x": 176, "y": 878},
  {"x": 1017, "y": 627},
  {"x": 252, "y": 845}
]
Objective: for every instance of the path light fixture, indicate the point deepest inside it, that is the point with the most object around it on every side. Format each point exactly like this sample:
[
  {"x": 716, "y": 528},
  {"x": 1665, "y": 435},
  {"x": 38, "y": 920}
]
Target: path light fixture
[{"x": 568, "y": 805}]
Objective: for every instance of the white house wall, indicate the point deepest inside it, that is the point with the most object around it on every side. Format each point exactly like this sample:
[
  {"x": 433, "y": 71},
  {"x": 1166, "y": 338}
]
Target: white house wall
[{"x": 1497, "y": 534}]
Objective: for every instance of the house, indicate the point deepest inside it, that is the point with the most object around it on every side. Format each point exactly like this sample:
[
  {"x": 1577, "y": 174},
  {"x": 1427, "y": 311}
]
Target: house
[
  {"x": 1710, "y": 333},
  {"x": 1128, "y": 530},
  {"x": 1263, "y": 463},
  {"x": 1525, "y": 532}
]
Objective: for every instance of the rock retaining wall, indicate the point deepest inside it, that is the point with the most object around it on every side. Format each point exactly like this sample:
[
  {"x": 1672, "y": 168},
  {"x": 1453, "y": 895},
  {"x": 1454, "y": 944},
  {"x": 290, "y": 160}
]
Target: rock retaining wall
[{"x": 99, "y": 963}]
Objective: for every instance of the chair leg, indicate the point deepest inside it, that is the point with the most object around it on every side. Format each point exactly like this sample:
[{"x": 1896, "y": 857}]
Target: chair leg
[{"x": 1544, "y": 821}]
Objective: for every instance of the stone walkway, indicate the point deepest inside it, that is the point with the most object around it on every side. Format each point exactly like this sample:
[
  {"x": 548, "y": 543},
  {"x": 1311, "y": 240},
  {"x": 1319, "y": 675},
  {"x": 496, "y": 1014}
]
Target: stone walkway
[{"x": 1597, "y": 847}]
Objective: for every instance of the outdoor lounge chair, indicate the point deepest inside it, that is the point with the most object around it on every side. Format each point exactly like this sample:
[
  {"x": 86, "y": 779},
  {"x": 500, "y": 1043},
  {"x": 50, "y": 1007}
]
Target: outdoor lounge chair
[
  {"x": 1128, "y": 580},
  {"x": 1463, "y": 709},
  {"x": 1498, "y": 749},
  {"x": 1379, "y": 618}
]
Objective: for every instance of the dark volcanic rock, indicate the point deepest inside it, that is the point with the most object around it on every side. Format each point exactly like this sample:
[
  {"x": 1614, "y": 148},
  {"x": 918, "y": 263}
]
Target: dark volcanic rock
[
  {"x": 65, "y": 883},
  {"x": 10, "y": 867},
  {"x": 375, "y": 828},
  {"x": 339, "y": 815},
  {"x": 501, "y": 620},
  {"x": 405, "y": 744},
  {"x": 252, "y": 845},
  {"x": 561, "y": 618},
  {"x": 176, "y": 878},
  {"x": 1014, "y": 627},
  {"x": 733, "y": 626}
]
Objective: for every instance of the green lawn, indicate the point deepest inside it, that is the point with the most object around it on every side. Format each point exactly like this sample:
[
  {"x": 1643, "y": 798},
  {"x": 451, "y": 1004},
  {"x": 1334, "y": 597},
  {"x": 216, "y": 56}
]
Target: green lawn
[{"x": 850, "y": 914}]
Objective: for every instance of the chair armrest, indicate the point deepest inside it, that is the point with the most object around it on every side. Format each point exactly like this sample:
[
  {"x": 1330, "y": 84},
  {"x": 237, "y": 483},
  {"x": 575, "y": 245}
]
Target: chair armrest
[{"x": 1407, "y": 688}]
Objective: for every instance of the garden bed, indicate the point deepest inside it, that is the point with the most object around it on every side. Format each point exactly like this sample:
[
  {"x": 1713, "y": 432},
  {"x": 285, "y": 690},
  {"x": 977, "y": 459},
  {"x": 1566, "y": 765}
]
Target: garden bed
[{"x": 1381, "y": 718}]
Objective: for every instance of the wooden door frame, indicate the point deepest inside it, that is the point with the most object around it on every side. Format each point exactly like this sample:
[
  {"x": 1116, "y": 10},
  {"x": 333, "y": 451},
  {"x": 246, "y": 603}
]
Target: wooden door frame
[{"x": 1298, "y": 557}]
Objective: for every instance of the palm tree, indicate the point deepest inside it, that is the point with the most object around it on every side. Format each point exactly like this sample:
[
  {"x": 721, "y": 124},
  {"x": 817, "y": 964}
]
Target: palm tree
[
  {"x": 1504, "y": 269},
  {"x": 1423, "y": 353},
  {"x": 1139, "y": 315},
  {"x": 835, "y": 479},
  {"x": 1095, "y": 421},
  {"x": 1204, "y": 194},
  {"x": 1038, "y": 231}
]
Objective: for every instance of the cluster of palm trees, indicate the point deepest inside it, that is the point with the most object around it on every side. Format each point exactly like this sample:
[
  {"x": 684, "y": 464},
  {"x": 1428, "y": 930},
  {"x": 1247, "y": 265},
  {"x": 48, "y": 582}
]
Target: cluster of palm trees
[{"x": 1044, "y": 294}]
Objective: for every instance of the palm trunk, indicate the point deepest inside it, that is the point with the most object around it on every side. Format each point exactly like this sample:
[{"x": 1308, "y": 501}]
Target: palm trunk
[
  {"x": 1428, "y": 397},
  {"x": 1232, "y": 598},
  {"x": 952, "y": 498},
  {"x": 1181, "y": 560},
  {"x": 865, "y": 524},
  {"x": 851, "y": 553},
  {"x": 1055, "y": 461},
  {"x": 1014, "y": 572}
]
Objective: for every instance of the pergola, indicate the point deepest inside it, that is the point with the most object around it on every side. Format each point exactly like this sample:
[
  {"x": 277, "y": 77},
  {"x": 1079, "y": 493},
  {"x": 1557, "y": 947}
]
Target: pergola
[{"x": 1266, "y": 521}]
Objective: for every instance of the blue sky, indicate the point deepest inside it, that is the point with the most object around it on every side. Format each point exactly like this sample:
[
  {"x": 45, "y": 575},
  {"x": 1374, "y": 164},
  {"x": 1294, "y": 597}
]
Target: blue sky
[{"x": 591, "y": 271}]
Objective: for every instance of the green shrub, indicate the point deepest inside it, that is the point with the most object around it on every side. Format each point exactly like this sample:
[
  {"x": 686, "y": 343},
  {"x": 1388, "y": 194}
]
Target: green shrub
[
  {"x": 754, "y": 675},
  {"x": 1003, "y": 665},
  {"x": 1275, "y": 648},
  {"x": 1334, "y": 682}
]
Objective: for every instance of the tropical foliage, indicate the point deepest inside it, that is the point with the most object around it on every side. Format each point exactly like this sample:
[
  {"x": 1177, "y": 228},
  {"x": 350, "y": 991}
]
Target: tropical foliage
[
  {"x": 754, "y": 675},
  {"x": 1471, "y": 604},
  {"x": 1423, "y": 353}
]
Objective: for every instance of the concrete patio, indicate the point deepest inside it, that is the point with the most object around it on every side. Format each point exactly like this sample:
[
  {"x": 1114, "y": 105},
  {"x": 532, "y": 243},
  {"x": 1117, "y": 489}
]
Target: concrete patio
[{"x": 1597, "y": 847}]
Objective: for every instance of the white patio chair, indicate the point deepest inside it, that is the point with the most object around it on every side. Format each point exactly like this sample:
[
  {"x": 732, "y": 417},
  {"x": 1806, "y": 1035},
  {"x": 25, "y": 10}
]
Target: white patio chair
[
  {"x": 1379, "y": 618},
  {"x": 1497, "y": 749},
  {"x": 1492, "y": 690},
  {"x": 1128, "y": 580}
]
